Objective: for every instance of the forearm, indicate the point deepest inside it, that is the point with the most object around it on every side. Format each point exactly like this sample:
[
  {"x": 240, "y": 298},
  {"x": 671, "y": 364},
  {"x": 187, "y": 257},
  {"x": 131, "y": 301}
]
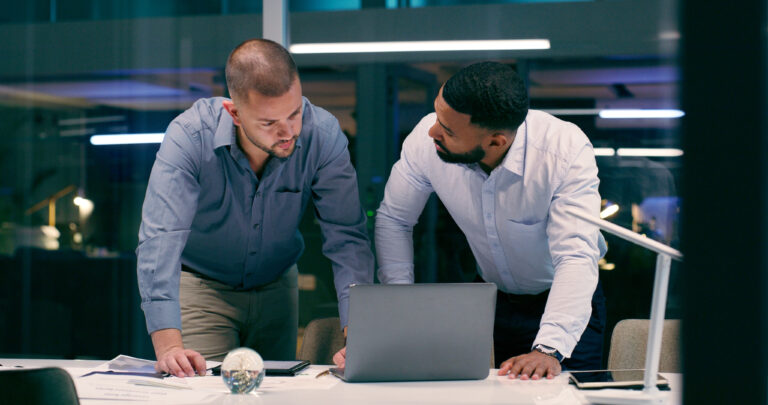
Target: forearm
[
  {"x": 394, "y": 250},
  {"x": 568, "y": 307},
  {"x": 165, "y": 340}
]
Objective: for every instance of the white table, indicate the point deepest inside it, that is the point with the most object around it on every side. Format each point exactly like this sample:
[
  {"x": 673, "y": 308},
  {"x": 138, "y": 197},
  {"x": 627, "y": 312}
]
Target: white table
[{"x": 492, "y": 390}]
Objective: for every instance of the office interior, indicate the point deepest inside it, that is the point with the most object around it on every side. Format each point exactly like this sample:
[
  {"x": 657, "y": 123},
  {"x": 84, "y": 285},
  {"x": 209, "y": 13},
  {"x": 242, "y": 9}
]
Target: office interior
[{"x": 72, "y": 69}]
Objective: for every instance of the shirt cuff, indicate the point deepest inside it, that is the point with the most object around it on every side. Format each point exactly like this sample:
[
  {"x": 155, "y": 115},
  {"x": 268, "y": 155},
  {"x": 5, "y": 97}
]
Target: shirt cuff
[
  {"x": 556, "y": 338},
  {"x": 396, "y": 274},
  {"x": 162, "y": 315},
  {"x": 344, "y": 311}
]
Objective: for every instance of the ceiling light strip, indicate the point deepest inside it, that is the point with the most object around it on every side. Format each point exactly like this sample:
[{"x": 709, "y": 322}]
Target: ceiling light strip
[
  {"x": 421, "y": 46},
  {"x": 604, "y": 151},
  {"x": 640, "y": 113},
  {"x": 650, "y": 152},
  {"x": 126, "y": 139}
]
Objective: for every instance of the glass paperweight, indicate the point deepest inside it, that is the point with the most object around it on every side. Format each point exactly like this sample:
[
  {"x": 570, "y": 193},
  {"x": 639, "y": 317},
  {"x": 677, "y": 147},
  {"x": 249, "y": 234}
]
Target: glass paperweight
[{"x": 242, "y": 370}]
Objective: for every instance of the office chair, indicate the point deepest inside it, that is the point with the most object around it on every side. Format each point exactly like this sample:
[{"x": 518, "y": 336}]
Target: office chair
[
  {"x": 38, "y": 386},
  {"x": 629, "y": 342},
  {"x": 322, "y": 339}
]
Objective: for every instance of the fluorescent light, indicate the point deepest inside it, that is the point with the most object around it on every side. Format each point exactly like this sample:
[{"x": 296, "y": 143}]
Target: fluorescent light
[
  {"x": 572, "y": 111},
  {"x": 649, "y": 152},
  {"x": 126, "y": 139},
  {"x": 420, "y": 46},
  {"x": 92, "y": 120},
  {"x": 604, "y": 151},
  {"x": 641, "y": 113}
]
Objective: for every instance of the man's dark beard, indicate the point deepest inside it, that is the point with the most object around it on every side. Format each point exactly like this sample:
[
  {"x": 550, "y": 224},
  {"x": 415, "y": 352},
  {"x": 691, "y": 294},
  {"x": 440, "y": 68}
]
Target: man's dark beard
[{"x": 473, "y": 156}]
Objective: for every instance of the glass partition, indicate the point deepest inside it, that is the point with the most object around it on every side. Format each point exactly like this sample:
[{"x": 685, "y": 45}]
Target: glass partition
[{"x": 70, "y": 209}]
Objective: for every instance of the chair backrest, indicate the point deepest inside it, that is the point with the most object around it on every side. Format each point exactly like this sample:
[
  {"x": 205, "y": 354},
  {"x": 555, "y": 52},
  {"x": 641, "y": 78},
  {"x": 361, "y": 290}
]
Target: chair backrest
[
  {"x": 322, "y": 339},
  {"x": 629, "y": 342},
  {"x": 38, "y": 386}
]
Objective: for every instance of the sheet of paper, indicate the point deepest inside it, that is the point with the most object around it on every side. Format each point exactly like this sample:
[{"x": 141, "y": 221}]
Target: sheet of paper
[
  {"x": 303, "y": 381},
  {"x": 146, "y": 389}
]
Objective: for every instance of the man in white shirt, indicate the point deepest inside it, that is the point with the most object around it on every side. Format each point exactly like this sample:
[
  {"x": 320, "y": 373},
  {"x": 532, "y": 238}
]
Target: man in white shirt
[{"x": 509, "y": 178}]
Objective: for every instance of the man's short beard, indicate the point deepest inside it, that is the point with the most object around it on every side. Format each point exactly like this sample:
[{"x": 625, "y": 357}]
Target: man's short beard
[
  {"x": 473, "y": 156},
  {"x": 271, "y": 151}
]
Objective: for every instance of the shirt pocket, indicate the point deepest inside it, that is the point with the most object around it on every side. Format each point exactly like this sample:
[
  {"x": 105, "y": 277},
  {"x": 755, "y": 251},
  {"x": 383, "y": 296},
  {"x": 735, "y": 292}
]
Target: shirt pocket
[
  {"x": 527, "y": 227},
  {"x": 529, "y": 245},
  {"x": 284, "y": 213}
]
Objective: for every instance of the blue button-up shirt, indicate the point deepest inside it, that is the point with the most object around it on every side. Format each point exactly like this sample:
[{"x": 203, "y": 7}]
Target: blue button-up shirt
[
  {"x": 207, "y": 209},
  {"x": 515, "y": 218}
]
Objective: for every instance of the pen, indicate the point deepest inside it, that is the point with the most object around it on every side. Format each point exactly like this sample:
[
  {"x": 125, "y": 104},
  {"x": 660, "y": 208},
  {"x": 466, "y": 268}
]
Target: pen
[
  {"x": 157, "y": 384},
  {"x": 322, "y": 373}
]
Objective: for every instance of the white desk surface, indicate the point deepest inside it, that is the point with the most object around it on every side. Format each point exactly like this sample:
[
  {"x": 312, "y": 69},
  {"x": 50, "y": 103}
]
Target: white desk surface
[{"x": 492, "y": 390}]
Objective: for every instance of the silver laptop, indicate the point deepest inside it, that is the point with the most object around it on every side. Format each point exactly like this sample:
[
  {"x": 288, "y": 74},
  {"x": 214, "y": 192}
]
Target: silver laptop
[{"x": 419, "y": 332}]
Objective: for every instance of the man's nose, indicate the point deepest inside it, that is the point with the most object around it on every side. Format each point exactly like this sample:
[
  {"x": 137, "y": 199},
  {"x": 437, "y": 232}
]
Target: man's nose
[
  {"x": 284, "y": 130},
  {"x": 435, "y": 133}
]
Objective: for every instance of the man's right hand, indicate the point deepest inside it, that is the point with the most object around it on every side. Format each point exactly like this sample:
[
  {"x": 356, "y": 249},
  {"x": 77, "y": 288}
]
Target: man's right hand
[
  {"x": 172, "y": 358},
  {"x": 340, "y": 357}
]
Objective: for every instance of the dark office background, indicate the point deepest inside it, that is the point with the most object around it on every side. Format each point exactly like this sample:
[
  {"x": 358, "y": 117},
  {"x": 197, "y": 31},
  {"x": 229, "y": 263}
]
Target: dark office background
[{"x": 74, "y": 68}]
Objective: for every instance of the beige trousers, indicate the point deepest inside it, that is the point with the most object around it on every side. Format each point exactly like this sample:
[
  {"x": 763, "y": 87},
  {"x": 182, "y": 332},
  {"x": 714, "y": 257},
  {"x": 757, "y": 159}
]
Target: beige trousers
[{"x": 216, "y": 318}]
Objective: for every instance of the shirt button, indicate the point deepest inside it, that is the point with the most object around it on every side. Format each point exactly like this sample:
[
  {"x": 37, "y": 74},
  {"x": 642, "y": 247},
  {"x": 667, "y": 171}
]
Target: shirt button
[
  {"x": 258, "y": 194},
  {"x": 255, "y": 226}
]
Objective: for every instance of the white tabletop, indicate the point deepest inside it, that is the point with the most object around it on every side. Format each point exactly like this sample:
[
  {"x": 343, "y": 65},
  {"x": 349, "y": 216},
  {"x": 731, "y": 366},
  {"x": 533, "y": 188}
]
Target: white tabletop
[{"x": 492, "y": 390}]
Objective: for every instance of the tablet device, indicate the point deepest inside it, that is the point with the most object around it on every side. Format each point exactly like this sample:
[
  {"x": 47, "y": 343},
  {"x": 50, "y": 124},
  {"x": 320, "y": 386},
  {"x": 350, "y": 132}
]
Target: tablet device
[
  {"x": 277, "y": 368},
  {"x": 285, "y": 368},
  {"x": 598, "y": 379}
]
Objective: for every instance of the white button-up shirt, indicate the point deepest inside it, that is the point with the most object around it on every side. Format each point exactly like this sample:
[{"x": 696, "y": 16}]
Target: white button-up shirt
[{"x": 515, "y": 219}]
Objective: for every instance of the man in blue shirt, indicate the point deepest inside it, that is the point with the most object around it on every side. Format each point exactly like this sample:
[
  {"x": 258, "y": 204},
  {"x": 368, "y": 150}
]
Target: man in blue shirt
[
  {"x": 219, "y": 236},
  {"x": 509, "y": 178}
]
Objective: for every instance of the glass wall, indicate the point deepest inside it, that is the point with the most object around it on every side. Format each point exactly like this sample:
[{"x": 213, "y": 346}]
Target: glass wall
[
  {"x": 70, "y": 210},
  {"x": 79, "y": 10}
]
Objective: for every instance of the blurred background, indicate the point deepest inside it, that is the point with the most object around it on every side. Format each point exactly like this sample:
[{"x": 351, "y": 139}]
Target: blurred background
[{"x": 71, "y": 69}]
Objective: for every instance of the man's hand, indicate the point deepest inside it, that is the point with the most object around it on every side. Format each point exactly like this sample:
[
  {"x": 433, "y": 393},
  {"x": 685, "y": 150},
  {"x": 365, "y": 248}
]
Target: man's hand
[
  {"x": 341, "y": 356},
  {"x": 533, "y": 365},
  {"x": 172, "y": 358}
]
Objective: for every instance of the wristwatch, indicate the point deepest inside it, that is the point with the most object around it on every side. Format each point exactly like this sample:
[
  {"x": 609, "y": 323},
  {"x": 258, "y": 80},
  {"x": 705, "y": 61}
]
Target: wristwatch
[{"x": 549, "y": 351}]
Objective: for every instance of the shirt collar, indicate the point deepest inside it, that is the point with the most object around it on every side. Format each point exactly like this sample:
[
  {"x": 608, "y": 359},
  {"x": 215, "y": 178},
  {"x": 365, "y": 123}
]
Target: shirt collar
[
  {"x": 225, "y": 131},
  {"x": 514, "y": 161}
]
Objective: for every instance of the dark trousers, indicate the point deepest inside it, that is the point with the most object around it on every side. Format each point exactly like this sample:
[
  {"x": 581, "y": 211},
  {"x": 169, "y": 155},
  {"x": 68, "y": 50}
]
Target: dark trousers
[{"x": 517, "y": 323}]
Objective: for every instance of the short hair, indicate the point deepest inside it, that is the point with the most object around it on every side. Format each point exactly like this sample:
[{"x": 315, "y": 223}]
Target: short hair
[
  {"x": 491, "y": 93},
  {"x": 260, "y": 65}
]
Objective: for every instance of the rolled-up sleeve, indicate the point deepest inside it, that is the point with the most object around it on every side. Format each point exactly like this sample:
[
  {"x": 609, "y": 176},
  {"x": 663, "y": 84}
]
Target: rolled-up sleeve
[
  {"x": 342, "y": 220},
  {"x": 169, "y": 208},
  {"x": 575, "y": 247}
]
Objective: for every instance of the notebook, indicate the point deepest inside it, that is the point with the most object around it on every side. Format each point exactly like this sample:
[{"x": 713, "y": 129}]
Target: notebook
[{"x": 419, "y": 332}]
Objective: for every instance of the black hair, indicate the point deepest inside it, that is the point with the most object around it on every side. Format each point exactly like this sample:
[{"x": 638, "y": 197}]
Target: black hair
[
  {"x": 260, "y": 65},
  {"x": 491, "y": 93}
]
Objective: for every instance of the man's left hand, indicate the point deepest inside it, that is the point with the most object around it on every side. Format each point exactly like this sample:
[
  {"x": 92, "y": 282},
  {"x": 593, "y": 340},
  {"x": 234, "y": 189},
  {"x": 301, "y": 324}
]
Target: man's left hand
[{"x": 533, "y": 365}]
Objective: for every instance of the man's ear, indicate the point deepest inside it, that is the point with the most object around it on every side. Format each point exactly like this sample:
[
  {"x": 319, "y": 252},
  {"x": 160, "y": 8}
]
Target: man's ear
[
  {"x": 232, "y": 110},
  {"x": 500, "y": 139}
]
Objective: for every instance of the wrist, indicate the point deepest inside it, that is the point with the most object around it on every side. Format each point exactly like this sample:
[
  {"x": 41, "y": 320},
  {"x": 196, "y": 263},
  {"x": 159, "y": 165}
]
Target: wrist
[
  {"x": 165, "y": 340},
  {"x": 549, "y": 351}
]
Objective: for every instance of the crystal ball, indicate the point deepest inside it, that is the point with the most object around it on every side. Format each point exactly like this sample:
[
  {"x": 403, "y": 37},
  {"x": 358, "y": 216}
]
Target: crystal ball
[{"x": 242, "y": 370}]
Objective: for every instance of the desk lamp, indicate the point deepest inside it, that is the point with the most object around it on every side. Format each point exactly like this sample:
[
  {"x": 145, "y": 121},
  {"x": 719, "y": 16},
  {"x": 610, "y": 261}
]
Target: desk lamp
[{"x": 650, "y": 393}]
